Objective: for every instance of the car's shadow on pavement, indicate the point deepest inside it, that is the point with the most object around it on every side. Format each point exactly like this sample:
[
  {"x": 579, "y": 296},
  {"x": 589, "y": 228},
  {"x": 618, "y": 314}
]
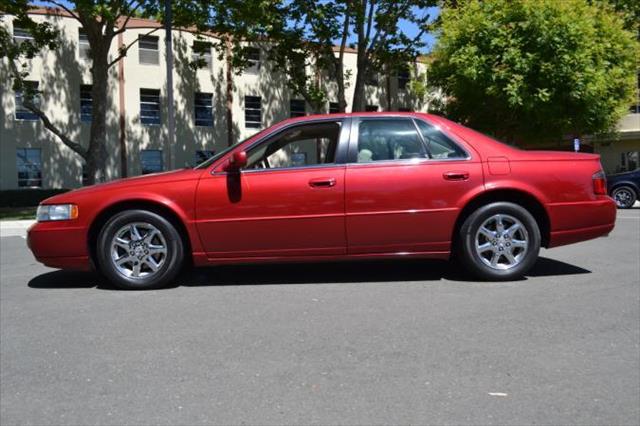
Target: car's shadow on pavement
[{"x": 306, "y": 273}]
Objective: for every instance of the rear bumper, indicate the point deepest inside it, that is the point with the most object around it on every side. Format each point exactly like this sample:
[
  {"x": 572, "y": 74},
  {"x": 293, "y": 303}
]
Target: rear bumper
[
  {"x": 581, "y": 221},
  {"x": 59, "y": 245}
]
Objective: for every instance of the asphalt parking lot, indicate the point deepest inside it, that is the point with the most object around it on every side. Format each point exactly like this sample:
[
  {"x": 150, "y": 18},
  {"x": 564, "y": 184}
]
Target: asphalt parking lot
[{"x": 402, "y": 342}]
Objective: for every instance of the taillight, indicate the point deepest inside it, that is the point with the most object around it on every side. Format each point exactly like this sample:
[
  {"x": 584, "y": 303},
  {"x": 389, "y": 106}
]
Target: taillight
[{"x": 599, "y": 183}]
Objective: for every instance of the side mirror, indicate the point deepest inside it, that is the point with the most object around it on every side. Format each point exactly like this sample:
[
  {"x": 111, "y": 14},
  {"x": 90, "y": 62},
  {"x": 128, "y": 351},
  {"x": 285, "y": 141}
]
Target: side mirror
[{"x": 237, "y": 161}]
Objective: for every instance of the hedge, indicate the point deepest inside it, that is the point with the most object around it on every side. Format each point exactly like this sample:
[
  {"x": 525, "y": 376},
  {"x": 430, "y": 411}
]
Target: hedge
[{"x": 26, "y": 197}]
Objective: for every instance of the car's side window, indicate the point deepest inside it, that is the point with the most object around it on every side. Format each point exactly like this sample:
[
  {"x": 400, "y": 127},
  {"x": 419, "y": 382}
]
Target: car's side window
[
  {"x": 304, "y": 145},
  {"x": 438, "y": 144},
  {"x": 388, "y": 139}
]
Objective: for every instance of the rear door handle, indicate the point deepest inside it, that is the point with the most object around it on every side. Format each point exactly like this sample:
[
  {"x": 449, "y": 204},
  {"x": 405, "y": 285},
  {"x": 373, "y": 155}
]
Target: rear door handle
[
  {"x": 322, "y": 182},
  {"x": 455, "y": 175}
]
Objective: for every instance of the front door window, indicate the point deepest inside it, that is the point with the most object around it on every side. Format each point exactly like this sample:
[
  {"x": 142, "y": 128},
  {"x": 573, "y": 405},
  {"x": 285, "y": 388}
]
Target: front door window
[{"x": 300, "y": 146}]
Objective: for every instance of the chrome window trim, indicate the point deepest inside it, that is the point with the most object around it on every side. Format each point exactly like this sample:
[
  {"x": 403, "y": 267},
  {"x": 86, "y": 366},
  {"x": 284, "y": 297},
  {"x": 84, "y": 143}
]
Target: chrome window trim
[{"x": 281, "y": 169}]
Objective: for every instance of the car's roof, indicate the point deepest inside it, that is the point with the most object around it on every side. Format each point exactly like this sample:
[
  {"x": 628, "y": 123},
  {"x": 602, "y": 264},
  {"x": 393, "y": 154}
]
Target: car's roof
[{"x": 359, "y": 114}]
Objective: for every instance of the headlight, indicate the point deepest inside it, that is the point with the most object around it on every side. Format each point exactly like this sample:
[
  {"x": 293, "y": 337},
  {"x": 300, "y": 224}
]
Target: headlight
[{"x": 56, "y": 212}]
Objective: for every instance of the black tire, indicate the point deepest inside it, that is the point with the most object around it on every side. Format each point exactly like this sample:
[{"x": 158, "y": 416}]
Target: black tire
[
  {"x": 170, "y": 261},
  {"x": 624, "y": 196},
  {"x": 473, "y": 261}
]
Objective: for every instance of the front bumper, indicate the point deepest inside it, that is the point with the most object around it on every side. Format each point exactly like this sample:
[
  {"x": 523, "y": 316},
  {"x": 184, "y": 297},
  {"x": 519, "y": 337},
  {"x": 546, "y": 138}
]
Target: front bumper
[{"x": 60, "y": 245}]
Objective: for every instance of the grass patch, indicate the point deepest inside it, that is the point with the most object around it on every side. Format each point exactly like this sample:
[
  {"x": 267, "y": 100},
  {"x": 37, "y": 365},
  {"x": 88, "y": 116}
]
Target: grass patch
[{"x": 17, "y": 213}]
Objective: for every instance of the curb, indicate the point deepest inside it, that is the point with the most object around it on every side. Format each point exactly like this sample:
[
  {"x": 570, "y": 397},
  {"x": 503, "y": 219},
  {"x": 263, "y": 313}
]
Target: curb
[{"x": 15, "y": 228}]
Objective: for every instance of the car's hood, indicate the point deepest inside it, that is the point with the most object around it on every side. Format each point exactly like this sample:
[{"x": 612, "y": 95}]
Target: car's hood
[{"x": 137, "y": 181}]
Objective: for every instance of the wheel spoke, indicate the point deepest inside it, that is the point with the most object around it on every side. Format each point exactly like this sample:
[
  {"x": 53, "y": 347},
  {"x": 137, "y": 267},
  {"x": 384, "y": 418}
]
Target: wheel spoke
[
  {"x": 124, "y": 259},
  {"x": 151, "y": 262},
  {"x": 489, "y": 234},
  {"x": 136, "y": 269},
  {"x": 150, "y": 235},
  {"x": 122, "y": 243},
  {"x": 518, "y": 244},
  {"x": 135, "y": 233},
  {"x": 510, "y": 258},
  {"x": 159, "y": 250},
  {"x": 483, "y": 248},
  {"x": 495, "y": 258},
  {"x": 511, "y": 231},
  {"x": 499, "y": 223}
]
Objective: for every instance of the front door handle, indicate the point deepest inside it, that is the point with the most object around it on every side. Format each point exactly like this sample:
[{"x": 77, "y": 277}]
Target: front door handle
[
  {"x": 322, "y": 182},
  {"x": 455, "y": 175}
]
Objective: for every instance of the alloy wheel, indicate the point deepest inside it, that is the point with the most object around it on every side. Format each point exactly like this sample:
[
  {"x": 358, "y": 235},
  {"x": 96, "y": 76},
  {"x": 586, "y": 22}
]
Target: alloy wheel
[
  {"x": 138, "y": 250},
  {"x": 501, "y": 242},
  {"x": 623, "y": 197}
]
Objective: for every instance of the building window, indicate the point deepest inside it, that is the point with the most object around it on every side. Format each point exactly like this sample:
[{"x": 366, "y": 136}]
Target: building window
[
  {"x": 86, "y": 103},
  {"x": 253, "y": 112},
  {"x": 21, "y": 35},
  {"x": 371, "y": 78},
  {"x": 201, "y": 54},
  {"x": 83, "y": 45},
  {"x": 203, "y": 109},
  {"x": 29, "y": 165},
  {"x": 253, "y": 60},
  {"x": 151, "y": 161},
  {"x": 22, "y": 113},
  {"x": 203, "y": 155},
  {"x": 404, "y": 76},
  {"x": 150, "y": 107},
  {"x": 334, "y": 107},
  {"x": 298, "y": 108},
  {"x": 148, "y": 50},
  {"x": 371, "y": 108}
]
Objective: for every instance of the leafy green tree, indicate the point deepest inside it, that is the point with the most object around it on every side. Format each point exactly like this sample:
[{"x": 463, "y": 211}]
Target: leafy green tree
[
  {"x": 102, "y": 21},
  {"x": 535, "y": 70},
  {"x": 303, "y": 35}
]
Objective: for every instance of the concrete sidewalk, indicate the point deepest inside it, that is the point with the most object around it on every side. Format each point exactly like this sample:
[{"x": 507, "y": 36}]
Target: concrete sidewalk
[{"x": 15, "y": 228}]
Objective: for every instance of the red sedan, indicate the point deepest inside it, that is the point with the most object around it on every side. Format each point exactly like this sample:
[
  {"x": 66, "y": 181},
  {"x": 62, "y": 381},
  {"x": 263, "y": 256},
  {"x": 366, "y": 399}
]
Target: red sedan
[{"x": 341, "y": 186}]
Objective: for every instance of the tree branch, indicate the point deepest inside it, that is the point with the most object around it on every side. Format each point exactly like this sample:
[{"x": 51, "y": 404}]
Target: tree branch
[
  {"x": 66, "y": 9},
  {"x": 27, "y": 102},
  {"x": 123, "y": 28},
  {"x": 123, "y": 51},
  {"x": 369, "y": 23}
]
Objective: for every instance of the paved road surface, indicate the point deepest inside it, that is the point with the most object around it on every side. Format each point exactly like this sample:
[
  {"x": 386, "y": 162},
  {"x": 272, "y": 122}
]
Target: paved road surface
[{"x": 353, "y": 343}]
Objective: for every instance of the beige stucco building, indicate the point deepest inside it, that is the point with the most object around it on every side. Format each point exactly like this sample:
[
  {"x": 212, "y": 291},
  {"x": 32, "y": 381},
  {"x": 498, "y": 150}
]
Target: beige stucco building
[{"x": 32, "y": 156}]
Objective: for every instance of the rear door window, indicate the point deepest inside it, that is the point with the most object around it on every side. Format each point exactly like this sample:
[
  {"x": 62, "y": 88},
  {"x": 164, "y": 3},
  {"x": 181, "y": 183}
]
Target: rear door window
[
  {"x": 388, "y": 139},
  {"x": 439, "y": 145}
]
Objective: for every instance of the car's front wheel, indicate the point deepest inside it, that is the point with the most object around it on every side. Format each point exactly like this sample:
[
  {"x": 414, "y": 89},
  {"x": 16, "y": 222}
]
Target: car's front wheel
[
  {"x": 499, "y": 241},
  {"x": 624, "y": 196},
  {"x": 139, "y": 250}
]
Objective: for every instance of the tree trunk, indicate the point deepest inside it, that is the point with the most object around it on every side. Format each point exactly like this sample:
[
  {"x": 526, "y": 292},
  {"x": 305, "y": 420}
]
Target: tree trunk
[
  {"x": 229, "y": 94},
  {"x": 342, "y": 98},
  {"x": 97, "y": 152},
  {"x": 359, "y": 100}
]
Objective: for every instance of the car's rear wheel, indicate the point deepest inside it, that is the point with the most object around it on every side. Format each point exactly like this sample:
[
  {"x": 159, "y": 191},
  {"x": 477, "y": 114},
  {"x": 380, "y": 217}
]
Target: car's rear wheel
[
  {"x": 499, "y": 241},
  {"x": 624, "y": 196},
  {"x": 139, "y": 249}
]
